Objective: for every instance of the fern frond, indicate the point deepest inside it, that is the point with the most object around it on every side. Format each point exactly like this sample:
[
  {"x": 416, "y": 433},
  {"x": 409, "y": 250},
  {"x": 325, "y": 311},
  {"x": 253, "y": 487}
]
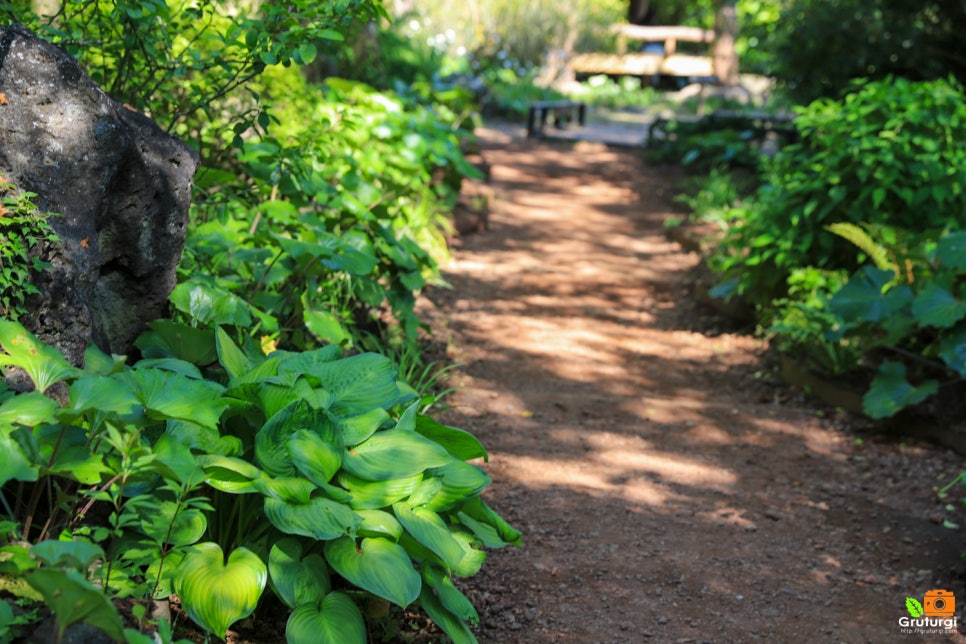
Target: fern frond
[{"x": 858, "y": 236}]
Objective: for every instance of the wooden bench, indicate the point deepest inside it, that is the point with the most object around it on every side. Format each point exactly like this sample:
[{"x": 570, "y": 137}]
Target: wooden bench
[
  {"x": 562, "y": 112},
  {"x": 646, "y": 65}
]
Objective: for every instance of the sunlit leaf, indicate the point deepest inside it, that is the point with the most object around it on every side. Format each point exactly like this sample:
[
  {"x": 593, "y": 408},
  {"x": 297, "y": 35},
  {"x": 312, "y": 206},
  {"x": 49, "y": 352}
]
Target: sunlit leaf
[
  {"x": 334, "y": 620},
  {"x": 167, "y": 395},
  {"x": 297, "y": 579},
  {"x": 454, "y": 627},
  {"x": 317, "y": 459},
  {"x": 450, "y": 596},
  {"x": 429, "y": 529},
  {"x": 320, "y": 518},
  {"x": 74, "y": 599},
  {"x": 379, "y": 523},
  {"x": 373, "y": 495},
  {"x": 458, "y": 442},
  {"x": 460, "y": 481},
  {"x": 377, "y": 565},
  {"x": 216, "y": 593},
  {"x": 44, "y": 365},
  {"x": 394, "y": 454},
  {"x": 29, "y": 409}
]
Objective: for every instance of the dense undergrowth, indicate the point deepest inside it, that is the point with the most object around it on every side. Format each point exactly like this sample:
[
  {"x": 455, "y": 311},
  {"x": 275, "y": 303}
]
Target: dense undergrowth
[{"x": 263, "y": 441}]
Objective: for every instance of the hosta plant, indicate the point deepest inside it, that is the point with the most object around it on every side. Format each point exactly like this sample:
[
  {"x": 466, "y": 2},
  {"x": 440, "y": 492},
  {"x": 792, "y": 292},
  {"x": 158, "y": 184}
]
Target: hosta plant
[{"x": 223, "y": 471}]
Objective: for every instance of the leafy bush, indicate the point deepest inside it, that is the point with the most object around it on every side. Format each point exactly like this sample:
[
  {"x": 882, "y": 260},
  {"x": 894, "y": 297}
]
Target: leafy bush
[
  {"x": 316, "y": 473},
  {"x": 889, "y": 153},
  {"x": 820, "y": 47},
  {"x": 22, "y": 229}
]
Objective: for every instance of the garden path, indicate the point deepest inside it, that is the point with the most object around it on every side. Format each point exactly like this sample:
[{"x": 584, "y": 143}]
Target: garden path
[{"x": 667, "y": 488}]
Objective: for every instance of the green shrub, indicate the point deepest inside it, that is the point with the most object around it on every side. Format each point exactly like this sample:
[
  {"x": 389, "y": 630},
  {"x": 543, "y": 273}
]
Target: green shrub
[
  {"x": 889, "y": 153},
  {"x": 315, "y": 472},
  {"x": 22, "y": 229}
]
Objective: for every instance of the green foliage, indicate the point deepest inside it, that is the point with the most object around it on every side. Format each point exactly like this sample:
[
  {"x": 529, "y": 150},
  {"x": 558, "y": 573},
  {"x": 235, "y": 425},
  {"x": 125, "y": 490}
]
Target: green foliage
[
  {"x": 301, "y": 465},
  {"x": 820, "y": 47},
  {"x": 22, "y": 230},
  {"x": 887, "y": 154}
]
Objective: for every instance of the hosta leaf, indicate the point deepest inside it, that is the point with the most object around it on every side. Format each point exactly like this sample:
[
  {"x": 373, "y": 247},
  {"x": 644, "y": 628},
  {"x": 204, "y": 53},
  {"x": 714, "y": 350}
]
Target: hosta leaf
[
  {"x": 317, "y": 459},
  {"x": 473, "y": 555},
  {"x": 454, "y": 627},
  {"x": 356, "y": 429},
  {"x": 377, "y": 565},
  {"x": 891, "y": 391},
  {"x": 936, "y": 306},
  {"x": 216, "y": 594},
  {"x": 325, "y": 325},
  {"x": 480, "y": 511},
  {"x": 334, "y": 620},
  {"x": 426, "y": 491},
  {"x": 271, "y": 441},
  {"x": 460, "y": 481},
  {"x": 203, "y": 439},
  {"x": 296, "y": 578},
  {"x": 230, "y": 474},
  {"x": 394, "y": 454},
  {"x": 379, "y": 523},
  {"x": 359, "y": 383},
  {"x": 167, "y": 395},
  {"x": 450, "y": 596},
  {"x": 461, "y": 444},
  {"x": 320, "y": 518},
  {"x": 233, "y": 359},
  {"x": 373, "y": 495},
  {"x": 44, "y": 365},
  {"x": 292, "y": 490},
  {"x": 306, "y": 362},
  {"x": 407, "y": 420},
  {"x": 426, "y": 527}
]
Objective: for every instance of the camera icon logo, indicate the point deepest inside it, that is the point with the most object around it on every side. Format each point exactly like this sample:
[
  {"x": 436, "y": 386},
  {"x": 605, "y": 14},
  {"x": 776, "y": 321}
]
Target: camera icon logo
[{"x": 938, "y": 603}]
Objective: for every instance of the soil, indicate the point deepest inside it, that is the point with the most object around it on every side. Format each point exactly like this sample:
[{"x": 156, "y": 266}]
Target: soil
[{"x": 669, "y": 487}]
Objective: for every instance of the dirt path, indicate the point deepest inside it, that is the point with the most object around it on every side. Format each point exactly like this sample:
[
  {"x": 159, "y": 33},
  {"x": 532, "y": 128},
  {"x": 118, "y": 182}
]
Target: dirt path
[{"x": 666, "y": 493}]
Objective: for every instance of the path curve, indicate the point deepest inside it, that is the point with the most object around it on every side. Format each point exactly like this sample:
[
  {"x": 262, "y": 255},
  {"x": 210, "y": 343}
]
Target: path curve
[{"x": 667, "y": 492}]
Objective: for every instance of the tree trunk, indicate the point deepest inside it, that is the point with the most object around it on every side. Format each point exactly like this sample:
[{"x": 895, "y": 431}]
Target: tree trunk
[{"x": 726, "y": 31}]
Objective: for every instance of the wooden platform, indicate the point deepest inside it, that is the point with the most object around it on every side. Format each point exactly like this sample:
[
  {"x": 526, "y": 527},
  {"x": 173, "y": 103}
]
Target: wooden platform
[{"x": 643, "y": 65}]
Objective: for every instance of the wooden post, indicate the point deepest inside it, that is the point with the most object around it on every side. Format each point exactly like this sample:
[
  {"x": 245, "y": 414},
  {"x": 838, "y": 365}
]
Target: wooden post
[{"x": 726, "y": 30}]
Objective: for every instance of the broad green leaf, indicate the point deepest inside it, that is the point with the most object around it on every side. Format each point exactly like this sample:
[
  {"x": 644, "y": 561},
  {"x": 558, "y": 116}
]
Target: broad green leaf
[
  {"x": 428, "y": 489},
  {"x": 292, "y": 490},
  {"x": 169, "y": 339},
  {"x": 210, "y": 305},
  {"x": 479, "y": 510},
  {"x": 864, "y": 297},
  {"x": 100, "y": 393},
  {"x": 229, "y": 474},
  {"x": 68, "y": 454},
  {"x": 455, "y": 628},
  {"x": 15, "y": 464},
  {"x": 203, "y": 439},
  {"x": 44, "y": 365},
  {"x": 891, "y": 391},
  {"x": 460, "y": 481},
  {"x": 317, "y": 459},
  {"x": 174, "y": 365},
  {"x": 356, "y": 429},
  {"x": 320, "y": 518},
  {"x": 74, "y": 599},
  {"x": 377, "y": 565},
  {"x": 306, "y": 362},
  {"x": 76, "y": 554},
  {"x": 379, "y": 523},
  {"x": 429, "y": 529},
  {"x": 167, "y": 522},
  {"x": 373, "y": 495},
  {"x": 272, "y": 440},
  {"x": 334, "y": 620},
  {"x": 461, "y": 444},
  {"x": 473, "y": 554},
  {"x": 936, "y": 306},
  {"x": 952, "y": 349},
  {"x": 325, "y": 325},
  {"x": 216, "y": 593},
  {"x": 359, "y": 383},
  {"x": 98, "y": 363},
  {"x": 394, "y": 454},
  {"x": 174, "y": 460},
  {"x": 407, "y": 419},
  {"x": 28, "y": 409},
  {"x": 951, "y": 250},
  {"x": 167, "y": 395},
  {"x": 297, "y": 578},
  {"x": 233, "y": 359},
  {"x": 450, "y": 596}
]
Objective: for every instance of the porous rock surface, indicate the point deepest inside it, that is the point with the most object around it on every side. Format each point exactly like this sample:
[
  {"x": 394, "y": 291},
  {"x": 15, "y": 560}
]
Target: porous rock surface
[{"x": 120, "y": 184}]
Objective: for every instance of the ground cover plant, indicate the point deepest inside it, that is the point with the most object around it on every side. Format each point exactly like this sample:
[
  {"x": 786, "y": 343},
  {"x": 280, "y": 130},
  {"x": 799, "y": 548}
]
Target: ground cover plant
[{"x": 253, "y": 446}]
